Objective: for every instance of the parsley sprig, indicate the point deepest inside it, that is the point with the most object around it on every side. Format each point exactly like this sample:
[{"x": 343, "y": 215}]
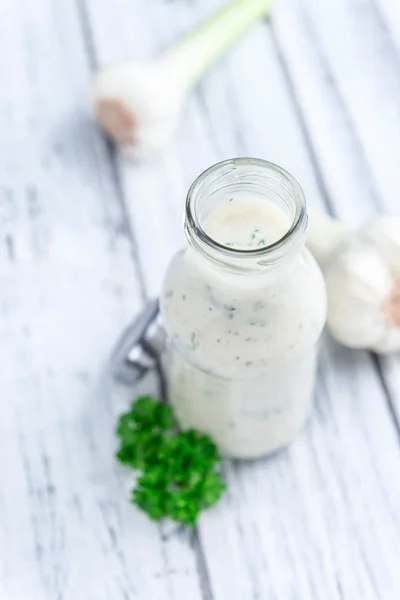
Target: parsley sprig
[{"x": 179, "y": 471}]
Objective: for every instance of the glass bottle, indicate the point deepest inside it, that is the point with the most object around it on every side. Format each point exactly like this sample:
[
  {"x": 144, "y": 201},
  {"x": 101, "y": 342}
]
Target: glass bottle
[{"x": 243, "y": 307}]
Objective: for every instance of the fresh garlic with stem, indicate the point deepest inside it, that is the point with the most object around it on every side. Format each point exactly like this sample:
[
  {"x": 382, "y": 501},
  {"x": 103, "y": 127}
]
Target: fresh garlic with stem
[
  {"x": 138, "y": 103},
  {"x": 362, "y": 274}
]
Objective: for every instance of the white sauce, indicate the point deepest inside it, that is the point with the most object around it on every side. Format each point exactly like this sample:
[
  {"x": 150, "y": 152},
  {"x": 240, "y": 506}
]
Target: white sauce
[
  {"x": 246, "y": 223},
  {"x": 242, "y": 347}
]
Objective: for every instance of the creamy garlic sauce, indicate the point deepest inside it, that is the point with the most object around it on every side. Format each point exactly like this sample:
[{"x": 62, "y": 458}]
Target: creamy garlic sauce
[
  {"x": 246, "y": 223},
  {"x": 242, "y": 346}
]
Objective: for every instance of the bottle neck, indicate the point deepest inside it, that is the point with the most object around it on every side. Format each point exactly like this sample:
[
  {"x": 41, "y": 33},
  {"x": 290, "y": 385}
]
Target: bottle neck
[{"x": 246, "y": 216}]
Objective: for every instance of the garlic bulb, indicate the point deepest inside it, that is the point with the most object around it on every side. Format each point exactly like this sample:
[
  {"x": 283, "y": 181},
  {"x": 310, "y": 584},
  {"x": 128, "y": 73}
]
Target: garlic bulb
[
  {"x": 362, "y": 273},
  {"x": 138, "y": 103}
]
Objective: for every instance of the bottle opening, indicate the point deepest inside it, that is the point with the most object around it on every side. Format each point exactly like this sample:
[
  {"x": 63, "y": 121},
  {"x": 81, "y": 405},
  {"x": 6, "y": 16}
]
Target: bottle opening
[{"x": 247, "y": 208}]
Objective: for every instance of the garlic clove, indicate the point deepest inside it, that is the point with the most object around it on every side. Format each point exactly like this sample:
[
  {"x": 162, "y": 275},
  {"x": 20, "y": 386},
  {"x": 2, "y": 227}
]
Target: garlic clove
[
  {"x": 356, "y": 284},
  {"x": 383, "y": 233},
  {"x": 363, "y": 283},
  {"x": 137, "y": 105},
  {"x": 393, "y": 303},
  {"x": 117, "y": 121}
]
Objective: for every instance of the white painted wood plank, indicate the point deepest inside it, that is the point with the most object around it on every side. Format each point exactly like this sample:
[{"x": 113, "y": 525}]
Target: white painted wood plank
[
  {"x": 340, "y": 158},
  {"x": 68, "y": 286},
  {"x": 365, "y": 69},
  {"x": 321, "y": 519},
  {"x": 389, "y": 15}
]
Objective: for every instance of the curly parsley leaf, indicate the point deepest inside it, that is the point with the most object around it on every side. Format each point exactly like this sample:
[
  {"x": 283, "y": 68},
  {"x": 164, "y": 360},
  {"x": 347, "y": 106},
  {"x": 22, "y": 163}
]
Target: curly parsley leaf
[
  {"x": 141, "y": 430},
  {"x": 179, "y": 470}
]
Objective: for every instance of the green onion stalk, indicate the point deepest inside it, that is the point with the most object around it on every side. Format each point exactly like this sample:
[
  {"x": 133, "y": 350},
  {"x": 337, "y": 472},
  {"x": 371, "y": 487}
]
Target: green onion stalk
[{"x": 137, "y": 104}]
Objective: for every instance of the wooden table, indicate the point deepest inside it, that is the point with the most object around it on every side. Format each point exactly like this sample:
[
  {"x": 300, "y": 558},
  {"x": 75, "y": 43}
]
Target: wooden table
[{"x": 84, "y": 240}]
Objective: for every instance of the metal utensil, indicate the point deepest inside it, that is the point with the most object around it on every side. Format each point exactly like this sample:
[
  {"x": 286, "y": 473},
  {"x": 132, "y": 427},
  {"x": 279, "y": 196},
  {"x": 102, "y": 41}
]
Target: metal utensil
[{"x": 140, "y": 346}]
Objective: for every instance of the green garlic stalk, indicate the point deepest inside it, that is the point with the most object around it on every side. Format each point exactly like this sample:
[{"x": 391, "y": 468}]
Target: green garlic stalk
[{"x": 138, "y": 103}]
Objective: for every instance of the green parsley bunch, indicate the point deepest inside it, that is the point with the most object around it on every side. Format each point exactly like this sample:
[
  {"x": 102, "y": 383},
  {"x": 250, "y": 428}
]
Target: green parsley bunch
[{"x": 179, "y": 471}]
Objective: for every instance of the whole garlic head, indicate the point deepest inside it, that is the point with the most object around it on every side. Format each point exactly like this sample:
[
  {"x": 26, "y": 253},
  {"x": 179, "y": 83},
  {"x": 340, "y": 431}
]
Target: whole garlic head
[
  {"x": 137, "y": 104},
  {"x": 363, "y": 282}
]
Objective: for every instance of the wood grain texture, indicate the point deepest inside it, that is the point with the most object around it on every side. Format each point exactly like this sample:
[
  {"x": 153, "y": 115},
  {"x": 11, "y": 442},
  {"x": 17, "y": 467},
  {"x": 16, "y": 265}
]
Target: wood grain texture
[
  {"x": 68, "y": 285},
  {"x": 363, "y": 65},
  {"x": 320, "y": 519},
  {"x": 388, "y": 13}
]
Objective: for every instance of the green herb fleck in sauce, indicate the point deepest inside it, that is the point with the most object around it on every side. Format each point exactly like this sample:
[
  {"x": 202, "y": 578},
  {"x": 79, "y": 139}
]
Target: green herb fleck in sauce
[{"x": 193, "y": 340}]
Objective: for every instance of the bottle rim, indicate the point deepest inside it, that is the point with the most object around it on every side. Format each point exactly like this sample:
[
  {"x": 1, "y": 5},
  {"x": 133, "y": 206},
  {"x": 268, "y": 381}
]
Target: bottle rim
[{"x": 198, "y": 237}]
